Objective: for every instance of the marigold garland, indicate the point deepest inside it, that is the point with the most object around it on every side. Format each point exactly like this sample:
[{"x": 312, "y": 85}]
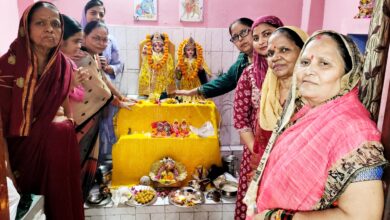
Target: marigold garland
[
  {"x": 195, "y": 65},
  {"x": 156, "y": 66}
]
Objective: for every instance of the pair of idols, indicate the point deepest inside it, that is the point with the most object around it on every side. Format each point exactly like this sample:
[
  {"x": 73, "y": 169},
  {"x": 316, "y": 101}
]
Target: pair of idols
[{"x": 158, "y": 73}]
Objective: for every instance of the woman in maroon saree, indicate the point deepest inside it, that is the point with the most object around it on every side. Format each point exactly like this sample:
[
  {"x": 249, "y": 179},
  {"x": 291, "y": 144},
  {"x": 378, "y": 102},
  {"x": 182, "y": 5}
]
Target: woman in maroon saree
[{"x": 34, "y": 83}]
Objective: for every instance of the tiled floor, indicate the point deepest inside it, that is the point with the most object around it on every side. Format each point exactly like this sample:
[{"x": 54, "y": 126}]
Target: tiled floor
[{"x": 162, "y": 210}]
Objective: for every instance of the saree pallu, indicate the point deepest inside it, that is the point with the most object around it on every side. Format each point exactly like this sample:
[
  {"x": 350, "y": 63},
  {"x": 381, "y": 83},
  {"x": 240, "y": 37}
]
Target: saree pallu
[
  {"x": 87, "y": 114},
  {"x": 314, "y": 160}
]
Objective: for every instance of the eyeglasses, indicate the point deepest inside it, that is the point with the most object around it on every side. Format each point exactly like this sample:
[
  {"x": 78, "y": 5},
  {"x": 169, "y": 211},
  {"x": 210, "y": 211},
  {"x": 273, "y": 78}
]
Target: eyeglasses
[
  {"x": 98, "y": 39},
  {"x": 243, "y": 33}
]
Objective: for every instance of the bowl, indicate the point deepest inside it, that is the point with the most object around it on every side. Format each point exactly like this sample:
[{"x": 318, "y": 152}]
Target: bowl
[
  {"x": 228, "y": 189},
  {"x": 98, "y": 199}
]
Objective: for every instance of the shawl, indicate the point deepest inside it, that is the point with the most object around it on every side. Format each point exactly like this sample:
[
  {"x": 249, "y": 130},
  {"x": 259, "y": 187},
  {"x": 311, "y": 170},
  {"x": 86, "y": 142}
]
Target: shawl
[
  {"x": 320, "y": 150},
  {"x": 270, "y": 107},
  {"x": 97, "y": 94},
  {"x": 259, "y": 62},
  {"x": 27, "y": 96}
]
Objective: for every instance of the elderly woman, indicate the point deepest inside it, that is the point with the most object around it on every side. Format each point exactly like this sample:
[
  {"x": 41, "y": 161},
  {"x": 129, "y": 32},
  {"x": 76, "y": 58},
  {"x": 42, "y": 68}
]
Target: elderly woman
[
  {"x": 324, "y": 159},
  {"x": 282, "y": 50},
  {"x": 34, "y": 82},
  {"x": 241, "y": 37},
  {"x": 247, "y": 99}
]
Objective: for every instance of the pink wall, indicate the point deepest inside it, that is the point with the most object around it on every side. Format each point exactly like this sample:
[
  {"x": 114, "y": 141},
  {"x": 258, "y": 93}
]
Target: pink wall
[
  {"x": 217, "y": 13},
  {"x": 338, "y": 16},
  {"x": 9, "y": 27},
  {"x": 312, "y": 15}
]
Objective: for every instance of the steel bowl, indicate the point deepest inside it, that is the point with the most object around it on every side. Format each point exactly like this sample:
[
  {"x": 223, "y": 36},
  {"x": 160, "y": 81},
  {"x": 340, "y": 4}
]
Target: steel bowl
[{"x": 228, "y": 189}]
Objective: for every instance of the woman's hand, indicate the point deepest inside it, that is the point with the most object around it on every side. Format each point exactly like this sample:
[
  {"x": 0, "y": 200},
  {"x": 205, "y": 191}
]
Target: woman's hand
[
  {"x": 81, "y": 76},
  {"x": 105, "y": 66},
  {"x": 261, "y": 216},
  {"x": 191, "y": 92},
  {"x": 108, "y": 69},
  {"x": 126, "y": 104}
]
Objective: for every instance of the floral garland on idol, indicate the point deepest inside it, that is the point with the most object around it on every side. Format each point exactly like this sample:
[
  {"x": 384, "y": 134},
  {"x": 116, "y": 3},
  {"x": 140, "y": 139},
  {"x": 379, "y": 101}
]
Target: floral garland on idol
[
  {"x": 195, "y": 65},
  {"x": 149, "y": 52}
]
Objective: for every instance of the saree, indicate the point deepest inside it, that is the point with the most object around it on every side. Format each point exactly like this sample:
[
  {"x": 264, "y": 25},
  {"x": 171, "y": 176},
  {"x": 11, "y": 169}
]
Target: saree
[
  {"x": 245, "y": 114},
  {"x": 87, "y": 114},
  {"x": 43, "y": 154},
  {"x": 315, "y": 153}
]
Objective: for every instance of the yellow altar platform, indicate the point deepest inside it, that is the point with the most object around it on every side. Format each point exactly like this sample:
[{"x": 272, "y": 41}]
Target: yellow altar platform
[{"x": 134, "y": 153}]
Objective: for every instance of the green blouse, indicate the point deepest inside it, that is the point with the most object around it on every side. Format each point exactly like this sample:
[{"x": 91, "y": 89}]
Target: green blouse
[{"x": 227, "y": 81}]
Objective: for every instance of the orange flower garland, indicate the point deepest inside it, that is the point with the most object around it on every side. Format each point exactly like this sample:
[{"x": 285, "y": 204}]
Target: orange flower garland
[
  {"x": 184, "y": 66},
  {"x": 156, "y": 66}
]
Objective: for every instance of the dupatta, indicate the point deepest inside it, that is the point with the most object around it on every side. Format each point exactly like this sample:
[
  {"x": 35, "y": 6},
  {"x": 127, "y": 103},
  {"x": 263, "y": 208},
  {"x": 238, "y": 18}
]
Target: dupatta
[{"x": 25, "y": 97}]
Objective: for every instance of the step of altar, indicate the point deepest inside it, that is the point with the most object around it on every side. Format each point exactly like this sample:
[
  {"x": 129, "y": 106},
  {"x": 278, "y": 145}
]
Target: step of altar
[{"x": 163, "y": 210}]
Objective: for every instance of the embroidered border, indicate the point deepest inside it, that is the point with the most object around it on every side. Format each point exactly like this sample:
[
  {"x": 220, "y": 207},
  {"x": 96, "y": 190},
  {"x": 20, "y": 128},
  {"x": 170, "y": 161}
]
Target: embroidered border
[{"x": 370, "y": 154}]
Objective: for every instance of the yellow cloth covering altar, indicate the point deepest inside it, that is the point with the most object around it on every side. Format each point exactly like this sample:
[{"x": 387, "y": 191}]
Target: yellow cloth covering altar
[{"x": 134, "y": 154}]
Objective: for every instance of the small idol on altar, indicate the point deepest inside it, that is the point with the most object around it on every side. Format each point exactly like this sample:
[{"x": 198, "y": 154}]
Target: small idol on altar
[
  {"x": 167, "y": 129},
  {"x": 167, "y": 171},
  {"x": 184, "y": 129},
  {"x": 191, "y": 70},
  {"x": 158, "y": 129},
  {"x": 157, "y": 68},
  {"x": 176, "y": 128}
]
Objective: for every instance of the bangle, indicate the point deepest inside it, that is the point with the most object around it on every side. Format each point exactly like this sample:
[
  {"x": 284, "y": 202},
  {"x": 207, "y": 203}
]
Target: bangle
[
  {"x": 289, "y": 215},
  {"x": 269, "y": 214},
  {"x": 198, "y": 90}
]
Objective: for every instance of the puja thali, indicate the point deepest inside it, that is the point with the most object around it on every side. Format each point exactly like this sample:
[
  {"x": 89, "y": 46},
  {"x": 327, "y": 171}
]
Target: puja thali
[{"x": 186, "y": 197}]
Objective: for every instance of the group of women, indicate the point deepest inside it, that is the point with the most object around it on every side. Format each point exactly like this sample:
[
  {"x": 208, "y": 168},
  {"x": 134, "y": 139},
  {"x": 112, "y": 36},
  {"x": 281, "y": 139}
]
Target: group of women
[
  {"x": 54, "y": 97},
  {"x": 311, "y": 150}
]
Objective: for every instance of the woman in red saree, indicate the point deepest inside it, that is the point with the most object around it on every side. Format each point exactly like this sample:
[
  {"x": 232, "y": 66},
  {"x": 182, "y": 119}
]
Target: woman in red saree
[
  {"x": 34, "y": 82},
  {"x": 326, "y": 159}
]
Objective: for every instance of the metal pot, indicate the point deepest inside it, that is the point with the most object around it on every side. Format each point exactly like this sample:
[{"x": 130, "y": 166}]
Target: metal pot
[
  {"x": 228, "y": 189},
  {"x": 104, "y": 174},
  {"x": 230, "y": 164}
]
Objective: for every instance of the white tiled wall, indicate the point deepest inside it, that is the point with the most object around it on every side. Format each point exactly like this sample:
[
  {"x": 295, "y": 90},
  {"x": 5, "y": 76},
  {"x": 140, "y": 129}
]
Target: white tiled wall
[
  {"x": 221, "y": 211},
  {"x": 219, "y": 54}
]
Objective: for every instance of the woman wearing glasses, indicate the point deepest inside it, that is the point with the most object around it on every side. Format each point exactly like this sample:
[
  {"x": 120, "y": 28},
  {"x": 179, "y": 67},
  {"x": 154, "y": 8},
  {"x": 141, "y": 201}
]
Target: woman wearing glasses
[
  {"x": 241, "y": 37},
  {"x": 98, "y": 93},
  {"x": 247, "y": 100}
]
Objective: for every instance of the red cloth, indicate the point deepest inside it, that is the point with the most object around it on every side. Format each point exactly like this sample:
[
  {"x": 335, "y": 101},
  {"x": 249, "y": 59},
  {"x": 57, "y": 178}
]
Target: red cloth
[
  {"x": 297, "y": 168},
  {"x": 44, "y": 155},
  {"x": 246, "y": 106}
]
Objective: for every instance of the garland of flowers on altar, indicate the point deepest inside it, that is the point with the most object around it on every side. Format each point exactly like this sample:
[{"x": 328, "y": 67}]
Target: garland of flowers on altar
[
  {"x": 156, "y": 66},
  {"x": 197, "y": 63}
]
